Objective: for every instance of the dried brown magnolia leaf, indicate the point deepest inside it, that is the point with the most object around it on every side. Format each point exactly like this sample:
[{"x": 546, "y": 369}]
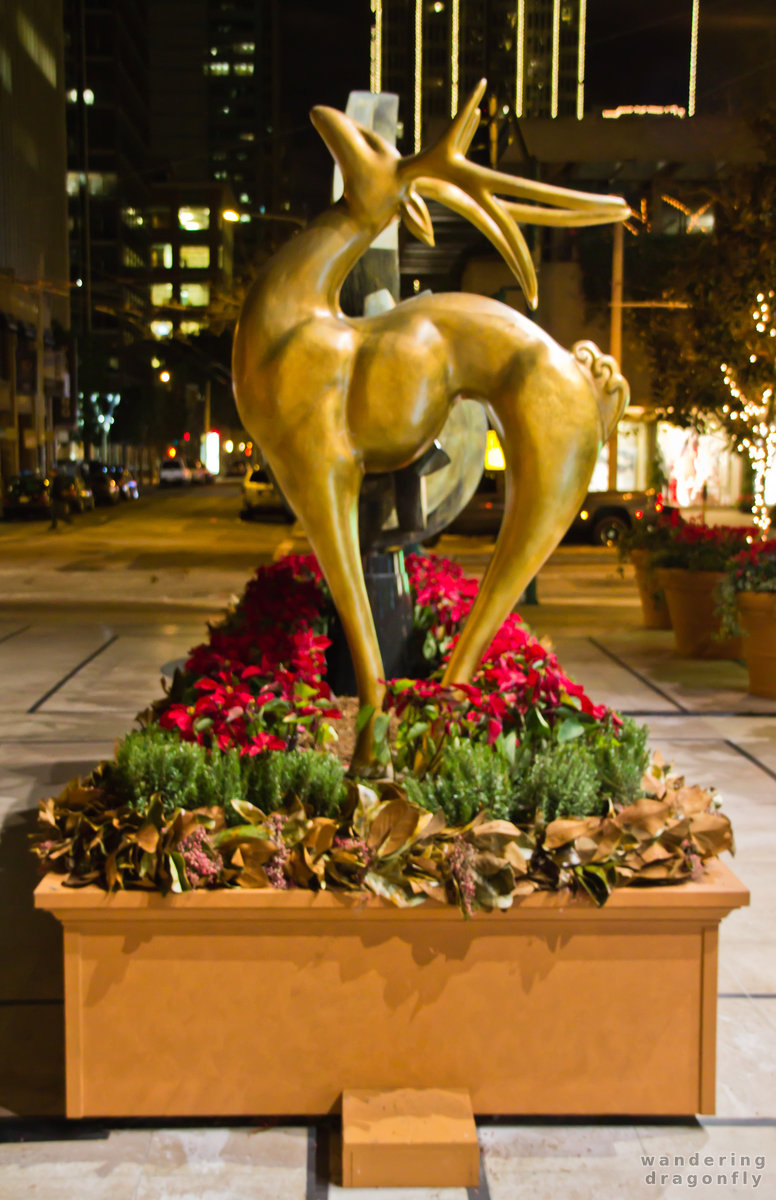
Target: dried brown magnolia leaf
[
  {"x": 488, "y": 864},
  {"x": 645, "y": 815},
  {"x": 253, "y": 856},
  {"x": 655, "y": 853},
  {"x": 111, "y": 873},
  {"x": 315, "y": 863},
  {"x": 653, "y": 785},
  {"x": 503, "y": 829},
  {"x": 693, "y": 800},
  {"x": 148, "y": 838},
  {"x": 676, "y": 833},
  {"x": 319, "y": 835},
  {"x": 430, "y": 825},
  {"x": 394, "y": 824},
  {"x": 434, "y": 891},
  {"x": 524, "y": 887},
  {"x": 564, "y": 830},
  {"x": 77, "y": 795},
  {"x": 608, "y": 837},
  {"x": 672, "y": 868},
  {"x": 514, "y": 856},
  {"x": 298, "y": 868},
  {"x": 711, "y": 832}
]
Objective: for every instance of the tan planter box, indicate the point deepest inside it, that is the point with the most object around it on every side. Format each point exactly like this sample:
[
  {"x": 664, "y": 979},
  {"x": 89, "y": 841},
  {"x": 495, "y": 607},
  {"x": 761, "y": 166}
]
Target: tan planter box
[{"x": 240, "y": 1002}]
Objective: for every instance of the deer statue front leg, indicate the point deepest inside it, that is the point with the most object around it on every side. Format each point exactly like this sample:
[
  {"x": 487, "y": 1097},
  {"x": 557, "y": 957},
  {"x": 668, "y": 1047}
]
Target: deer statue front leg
[{"x": 321, "y": 479}]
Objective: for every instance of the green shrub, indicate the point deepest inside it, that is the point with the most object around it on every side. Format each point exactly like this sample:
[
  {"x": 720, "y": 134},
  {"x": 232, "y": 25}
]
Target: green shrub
[
  {"x": 185, "y": 775},
  {"x": 470, "y": 776},
  {"x": 157, "y": 762},
  {"x": 317, "y": 779},
  {"x": 558, "y": 779},
  {"x": 620, "y": 759}
]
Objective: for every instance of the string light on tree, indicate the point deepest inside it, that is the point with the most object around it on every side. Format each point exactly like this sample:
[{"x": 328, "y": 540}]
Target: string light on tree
[{"x": 752, "y": 413}]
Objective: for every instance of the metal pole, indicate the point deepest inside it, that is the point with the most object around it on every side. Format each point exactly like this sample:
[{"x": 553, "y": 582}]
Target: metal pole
[{"x": 615, "y": 333}]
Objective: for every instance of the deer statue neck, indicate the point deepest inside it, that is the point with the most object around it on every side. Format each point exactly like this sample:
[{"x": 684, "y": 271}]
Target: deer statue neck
[{"x": 308, "y": 272}]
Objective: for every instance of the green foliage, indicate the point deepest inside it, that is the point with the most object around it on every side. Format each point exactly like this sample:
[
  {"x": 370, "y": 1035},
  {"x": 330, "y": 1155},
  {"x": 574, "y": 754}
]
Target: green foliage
[
  {"x": 558, "y": 779},
  {"x": 572, "y": 772},
  {"x": 621, "y": 758},
  {"x": 471, "y": 776},
  {"x": 157, "y": 763},
  {"x": 314, "y": 778}
]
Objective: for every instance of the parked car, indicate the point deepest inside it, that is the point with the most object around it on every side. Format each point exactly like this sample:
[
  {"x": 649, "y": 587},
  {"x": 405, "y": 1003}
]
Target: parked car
[
  {"x": 238, "y": 468},
  {"x": 199, "y": 472},
  {"x": 126, "y": 483},
  {"x": 76, "y": 491},
  {"x": 174, "y": 472},
  {"x": 97, "y": 476},
  {"x": 262, "y": 497},
  {"x": 27, "y": 495},
  {"x": 602, "y": 520}
]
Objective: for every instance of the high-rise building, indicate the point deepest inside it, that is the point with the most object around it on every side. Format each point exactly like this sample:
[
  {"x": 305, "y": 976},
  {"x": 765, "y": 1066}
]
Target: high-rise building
[
  {"x": 211, "y": 95},
  {"x": 433, "y": 53},
  {"x": 107, "y": 183},
  {"x": 34, "y": 277}
]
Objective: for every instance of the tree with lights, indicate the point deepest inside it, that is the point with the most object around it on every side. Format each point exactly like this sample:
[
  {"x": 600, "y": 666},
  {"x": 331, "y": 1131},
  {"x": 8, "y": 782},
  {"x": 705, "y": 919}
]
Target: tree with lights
[
  {"x": 720, "y": 282},
  {"x": 750, "y": 412}
]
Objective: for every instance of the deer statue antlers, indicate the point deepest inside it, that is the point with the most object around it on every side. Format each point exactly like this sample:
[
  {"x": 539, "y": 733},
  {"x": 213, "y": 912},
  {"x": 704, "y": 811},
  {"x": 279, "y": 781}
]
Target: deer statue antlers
[{"x": 328, "y": 397}]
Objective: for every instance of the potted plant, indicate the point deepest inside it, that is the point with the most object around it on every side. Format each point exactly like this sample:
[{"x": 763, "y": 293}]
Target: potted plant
[
  {"x": 639, "y": 545},
  {"x": 748, "y": 607},
  {"x": 690, "y": 568}
]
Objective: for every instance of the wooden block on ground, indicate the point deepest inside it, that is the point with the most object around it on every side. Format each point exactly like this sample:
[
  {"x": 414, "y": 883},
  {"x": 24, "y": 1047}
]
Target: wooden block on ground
[{"x": 409, "y": 1137}]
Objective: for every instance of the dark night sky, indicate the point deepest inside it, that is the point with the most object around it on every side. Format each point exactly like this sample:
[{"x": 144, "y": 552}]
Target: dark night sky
[{"x": 639, "y": 53}]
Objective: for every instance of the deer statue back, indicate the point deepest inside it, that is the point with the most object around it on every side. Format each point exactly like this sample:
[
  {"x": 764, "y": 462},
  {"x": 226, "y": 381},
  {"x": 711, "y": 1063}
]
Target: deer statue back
[{"x": 329, "y": 397}]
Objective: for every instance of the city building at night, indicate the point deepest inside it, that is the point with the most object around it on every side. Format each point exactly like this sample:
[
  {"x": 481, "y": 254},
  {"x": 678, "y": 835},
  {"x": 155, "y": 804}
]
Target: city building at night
[{"x": 34, "y": 276}]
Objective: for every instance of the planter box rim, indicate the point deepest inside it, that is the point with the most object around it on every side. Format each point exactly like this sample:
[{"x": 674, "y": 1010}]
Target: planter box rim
[{"x": 720, "y": 891}]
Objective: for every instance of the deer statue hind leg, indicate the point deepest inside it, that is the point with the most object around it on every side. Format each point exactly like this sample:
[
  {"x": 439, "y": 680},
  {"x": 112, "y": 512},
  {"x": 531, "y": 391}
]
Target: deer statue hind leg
[{"x": 551, "y": 422}]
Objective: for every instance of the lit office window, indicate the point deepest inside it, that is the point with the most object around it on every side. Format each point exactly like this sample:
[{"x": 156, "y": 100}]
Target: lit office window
[
  {"x": 161, "y": 329},
  {"x": 196, "y": 295},
  {"x": 243, "y": 68},
  {"x": 194, "y": 217},
  {"x": 191, "y": 328},
  {"x": 161, "y": 255},
  {"x": 216, "y": 68},
  {"x": 161, "y": 293},
  {"x": 195, "y": 258}
]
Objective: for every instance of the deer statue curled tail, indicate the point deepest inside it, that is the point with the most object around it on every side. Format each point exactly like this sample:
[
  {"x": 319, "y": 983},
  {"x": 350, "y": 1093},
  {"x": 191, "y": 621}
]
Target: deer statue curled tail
[{"x": 329, "y": 397}]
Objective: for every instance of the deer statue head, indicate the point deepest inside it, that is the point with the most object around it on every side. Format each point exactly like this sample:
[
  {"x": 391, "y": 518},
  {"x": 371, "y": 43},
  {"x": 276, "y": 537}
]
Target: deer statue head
[{"x": 381, "y": 185}]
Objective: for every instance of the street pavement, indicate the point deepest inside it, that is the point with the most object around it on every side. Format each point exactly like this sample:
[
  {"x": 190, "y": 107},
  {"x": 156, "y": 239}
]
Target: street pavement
[{"x": 91, "y": 618}]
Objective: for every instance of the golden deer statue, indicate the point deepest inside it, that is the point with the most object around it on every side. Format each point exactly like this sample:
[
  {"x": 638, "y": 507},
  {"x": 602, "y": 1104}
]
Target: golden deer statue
[{"x": 329, "y": 397}]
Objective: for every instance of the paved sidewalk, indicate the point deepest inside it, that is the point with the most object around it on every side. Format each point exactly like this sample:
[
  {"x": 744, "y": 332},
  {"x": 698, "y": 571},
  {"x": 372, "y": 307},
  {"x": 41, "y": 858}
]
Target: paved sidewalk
[{"x": 75, "y": 677}]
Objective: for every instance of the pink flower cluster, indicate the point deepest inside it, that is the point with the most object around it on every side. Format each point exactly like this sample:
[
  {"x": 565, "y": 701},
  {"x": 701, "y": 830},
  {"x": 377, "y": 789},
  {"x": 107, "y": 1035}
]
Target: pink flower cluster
[{"x": 203, "y": 863}]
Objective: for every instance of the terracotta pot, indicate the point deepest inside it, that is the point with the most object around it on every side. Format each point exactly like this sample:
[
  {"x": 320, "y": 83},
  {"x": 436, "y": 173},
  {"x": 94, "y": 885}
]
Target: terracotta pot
[
  {"x": 654, "y": 610},
  {"x": 691, "y": 603},
  {"x": 241, "y": 1002},
  {"x": 757, "y": 618}
]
